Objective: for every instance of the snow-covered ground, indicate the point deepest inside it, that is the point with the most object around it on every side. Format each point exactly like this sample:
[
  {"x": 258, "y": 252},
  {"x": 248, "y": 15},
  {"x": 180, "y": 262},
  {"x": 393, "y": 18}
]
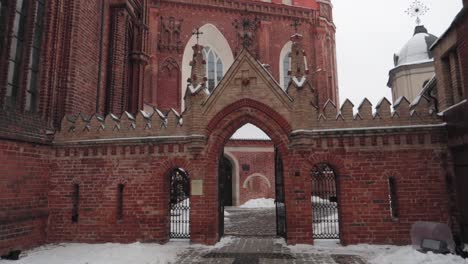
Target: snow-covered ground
[
  {"x": 259, "y": 203},
  {"x": 139, "y": 253},
  {"x": 379, "y": 254},
  {"x": 136, "y": 253}
]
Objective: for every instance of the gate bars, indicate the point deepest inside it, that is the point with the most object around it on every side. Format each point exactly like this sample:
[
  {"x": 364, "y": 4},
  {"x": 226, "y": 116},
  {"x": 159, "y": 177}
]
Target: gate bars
[
  {"x": 324, "y": 202},
  {"x": 180, "y": 204}
]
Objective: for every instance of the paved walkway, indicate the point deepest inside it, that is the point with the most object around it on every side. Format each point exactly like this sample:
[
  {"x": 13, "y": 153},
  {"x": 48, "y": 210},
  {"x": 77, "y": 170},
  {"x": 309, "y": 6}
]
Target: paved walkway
[
  {"x": 254, "y": 242},
  {"x": 250, "y": 222}
]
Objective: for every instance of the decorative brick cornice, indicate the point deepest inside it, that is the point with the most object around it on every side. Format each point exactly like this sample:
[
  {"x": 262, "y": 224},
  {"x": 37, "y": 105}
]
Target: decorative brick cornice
[{"x": 261, "y": 8}]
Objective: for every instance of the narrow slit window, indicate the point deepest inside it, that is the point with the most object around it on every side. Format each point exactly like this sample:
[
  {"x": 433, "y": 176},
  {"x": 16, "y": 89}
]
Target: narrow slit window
[
  {"x": 3, "y": 17},
  {"x": 393, "y": 197},
  {"x": 16, "y": 52},
  {"x": 286, "y": 66},
  {"x": 76, "y": 203},
  {"x": 33, "y": 68},
  {"x": 120, "y": 190}
]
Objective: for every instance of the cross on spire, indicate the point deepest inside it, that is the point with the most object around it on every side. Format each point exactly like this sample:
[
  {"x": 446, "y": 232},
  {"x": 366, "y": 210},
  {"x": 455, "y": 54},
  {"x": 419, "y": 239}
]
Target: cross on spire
[
  {"x": 197, "y": 32},
  {"x": 417, "y": 9},
  {"x": 296, "y": 24}
]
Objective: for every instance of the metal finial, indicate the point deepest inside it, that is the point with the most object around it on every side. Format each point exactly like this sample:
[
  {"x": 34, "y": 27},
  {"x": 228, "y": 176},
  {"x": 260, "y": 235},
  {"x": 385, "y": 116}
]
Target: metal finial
[
  {"x": 417, "y": 9},
  {"x": 197, "y": 32},
  {"x": 296, "y": 24}
]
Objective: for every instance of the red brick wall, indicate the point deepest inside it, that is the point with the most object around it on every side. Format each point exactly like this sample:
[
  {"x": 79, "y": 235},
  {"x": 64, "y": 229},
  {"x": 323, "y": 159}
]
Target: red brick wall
[
  {"x": 463, "y": 52},
  {"x": 364, "y": 194},
  {"x": 23, "y": 195},
  {"x": 143, "y": 169},
  {"x": 319, "y": 40},
  {"x": 259, "y": 163}
]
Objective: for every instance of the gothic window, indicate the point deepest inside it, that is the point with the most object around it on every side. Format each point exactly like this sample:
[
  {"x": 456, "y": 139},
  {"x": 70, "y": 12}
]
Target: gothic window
[
  {"x": 214, "y": 67},
  {"x": 16, "y": 52},
  {"x": 168, "y": 92},
  {"x": 33, "y": 69},
  {"x": 3, "y": 16},
  {"x": 286, "y": 66}
]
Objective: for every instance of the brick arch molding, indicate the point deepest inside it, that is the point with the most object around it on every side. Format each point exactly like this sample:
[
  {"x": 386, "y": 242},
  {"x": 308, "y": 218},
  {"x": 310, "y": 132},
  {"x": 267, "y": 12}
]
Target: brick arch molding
[
  {"x": 223, "y": 125},
  {"x": 259, "y": 175}
]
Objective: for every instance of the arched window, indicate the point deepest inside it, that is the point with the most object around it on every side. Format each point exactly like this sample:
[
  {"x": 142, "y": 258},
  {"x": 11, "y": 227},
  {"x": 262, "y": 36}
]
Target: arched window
[
  {"x": 214, "y": 67},
  {"x": 33, "y": 69},
  {"x": 286, "y": 67},
  {"x": 284, "y": 62},
  {"x": 223, "y": 57},
  {"x": 16, "y": 52}
]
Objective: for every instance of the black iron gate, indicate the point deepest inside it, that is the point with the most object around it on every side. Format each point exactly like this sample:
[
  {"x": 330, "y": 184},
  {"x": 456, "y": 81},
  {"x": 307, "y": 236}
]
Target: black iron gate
[
  {"x": 279, "y": 199},
  {"x": 324, "y": 202},
  {"x": 180, "y": 204},
  {"x": 221, "y": 185}
]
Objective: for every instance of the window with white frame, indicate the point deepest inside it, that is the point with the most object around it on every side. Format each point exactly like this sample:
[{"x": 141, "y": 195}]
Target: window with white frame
[{"x": 214, "y": 67}]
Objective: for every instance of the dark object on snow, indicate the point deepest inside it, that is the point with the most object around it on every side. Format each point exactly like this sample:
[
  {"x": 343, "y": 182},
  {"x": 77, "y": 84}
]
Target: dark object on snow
[
  {"x": 421, "y": 231},
  {"x": 13, "y": 255},
  {"x": 460, "y": 247},
  {"x": 436, "y": 246}
]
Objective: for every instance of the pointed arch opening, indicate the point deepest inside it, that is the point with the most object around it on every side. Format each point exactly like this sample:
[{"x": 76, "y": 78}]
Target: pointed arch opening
[
  {"x": 218, "y": 55},
  {"x": 270, "y": 150},
  {"x": 179, "y": 209}
]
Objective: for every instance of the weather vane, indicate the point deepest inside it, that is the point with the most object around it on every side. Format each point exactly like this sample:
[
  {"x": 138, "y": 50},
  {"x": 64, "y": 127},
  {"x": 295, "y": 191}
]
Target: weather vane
[{"x": 417, "y": 9}]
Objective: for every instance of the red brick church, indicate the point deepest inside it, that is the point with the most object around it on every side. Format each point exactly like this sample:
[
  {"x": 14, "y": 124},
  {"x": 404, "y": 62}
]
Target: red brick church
[{"x": 114, "y": 114}]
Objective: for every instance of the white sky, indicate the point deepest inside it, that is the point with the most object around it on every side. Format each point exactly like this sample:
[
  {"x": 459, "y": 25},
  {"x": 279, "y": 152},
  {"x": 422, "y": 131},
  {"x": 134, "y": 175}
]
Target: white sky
[{"x": 369, "y": 32}]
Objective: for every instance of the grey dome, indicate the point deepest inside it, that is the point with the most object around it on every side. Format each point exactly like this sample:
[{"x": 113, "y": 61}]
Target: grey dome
[{"x": 417, "y": 49}]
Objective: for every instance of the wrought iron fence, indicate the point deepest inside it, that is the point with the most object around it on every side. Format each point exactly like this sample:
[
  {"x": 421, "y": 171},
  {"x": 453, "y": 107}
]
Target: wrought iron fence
[
  {"x": 324, "y": 202},
  {"x": 180, "y": 204}
]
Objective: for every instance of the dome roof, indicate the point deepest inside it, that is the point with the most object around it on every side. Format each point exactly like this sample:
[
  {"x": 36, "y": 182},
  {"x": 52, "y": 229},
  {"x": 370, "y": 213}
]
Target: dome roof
[{"x": 417, "y": 49}]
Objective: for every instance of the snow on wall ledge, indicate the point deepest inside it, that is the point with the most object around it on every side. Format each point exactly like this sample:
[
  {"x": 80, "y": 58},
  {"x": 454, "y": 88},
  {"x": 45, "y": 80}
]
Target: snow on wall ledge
[{"x": 81, "y": 127}]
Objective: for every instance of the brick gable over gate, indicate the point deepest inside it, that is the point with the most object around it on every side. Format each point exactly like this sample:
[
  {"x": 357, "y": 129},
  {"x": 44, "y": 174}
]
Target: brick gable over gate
[
  {"x": 100, "y": 152},
  {"x": 365, "y": 150}
]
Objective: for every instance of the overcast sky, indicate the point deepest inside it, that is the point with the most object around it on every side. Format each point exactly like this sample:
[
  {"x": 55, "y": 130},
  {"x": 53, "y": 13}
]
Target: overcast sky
[{"x": 369, "y": 32}]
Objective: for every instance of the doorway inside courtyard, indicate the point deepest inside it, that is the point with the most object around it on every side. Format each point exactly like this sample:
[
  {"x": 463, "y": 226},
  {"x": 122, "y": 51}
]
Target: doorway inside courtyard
[{"x": 251, "y": 186}]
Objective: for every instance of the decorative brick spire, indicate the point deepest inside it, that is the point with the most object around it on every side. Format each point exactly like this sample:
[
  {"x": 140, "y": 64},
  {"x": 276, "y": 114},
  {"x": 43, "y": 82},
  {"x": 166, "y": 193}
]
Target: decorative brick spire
[
  {"x": 197, "y": 80},
  {"x": 299, "y": 69}
]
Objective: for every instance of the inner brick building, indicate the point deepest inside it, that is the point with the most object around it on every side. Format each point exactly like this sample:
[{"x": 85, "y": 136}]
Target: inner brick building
[{"x": 104, "y": 104}]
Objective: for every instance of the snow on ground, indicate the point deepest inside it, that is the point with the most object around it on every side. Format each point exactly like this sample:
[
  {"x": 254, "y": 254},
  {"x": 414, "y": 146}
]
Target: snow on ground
[
  {"x": 407, "y": 255},
  {"x": 136, "y": 253},
  {"x": 102, "y": 254},
  {"x": 379, "y": 254},
  {"x": 259, "y": 203}
]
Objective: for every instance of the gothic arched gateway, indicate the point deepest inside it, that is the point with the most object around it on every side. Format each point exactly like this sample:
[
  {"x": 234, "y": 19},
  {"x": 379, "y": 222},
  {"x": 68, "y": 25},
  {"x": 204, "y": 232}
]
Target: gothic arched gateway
[{"x": 365, "y": 150}]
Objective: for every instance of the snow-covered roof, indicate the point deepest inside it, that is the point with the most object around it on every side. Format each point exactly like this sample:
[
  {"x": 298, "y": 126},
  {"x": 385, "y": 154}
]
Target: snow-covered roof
[{"x": 417, "y": 49}]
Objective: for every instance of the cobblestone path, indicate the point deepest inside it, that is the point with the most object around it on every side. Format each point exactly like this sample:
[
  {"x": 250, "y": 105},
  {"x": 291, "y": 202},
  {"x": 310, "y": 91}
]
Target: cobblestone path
[
  {"x": 250, "y": 222},
  {"x": 253, "y": 242}
]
